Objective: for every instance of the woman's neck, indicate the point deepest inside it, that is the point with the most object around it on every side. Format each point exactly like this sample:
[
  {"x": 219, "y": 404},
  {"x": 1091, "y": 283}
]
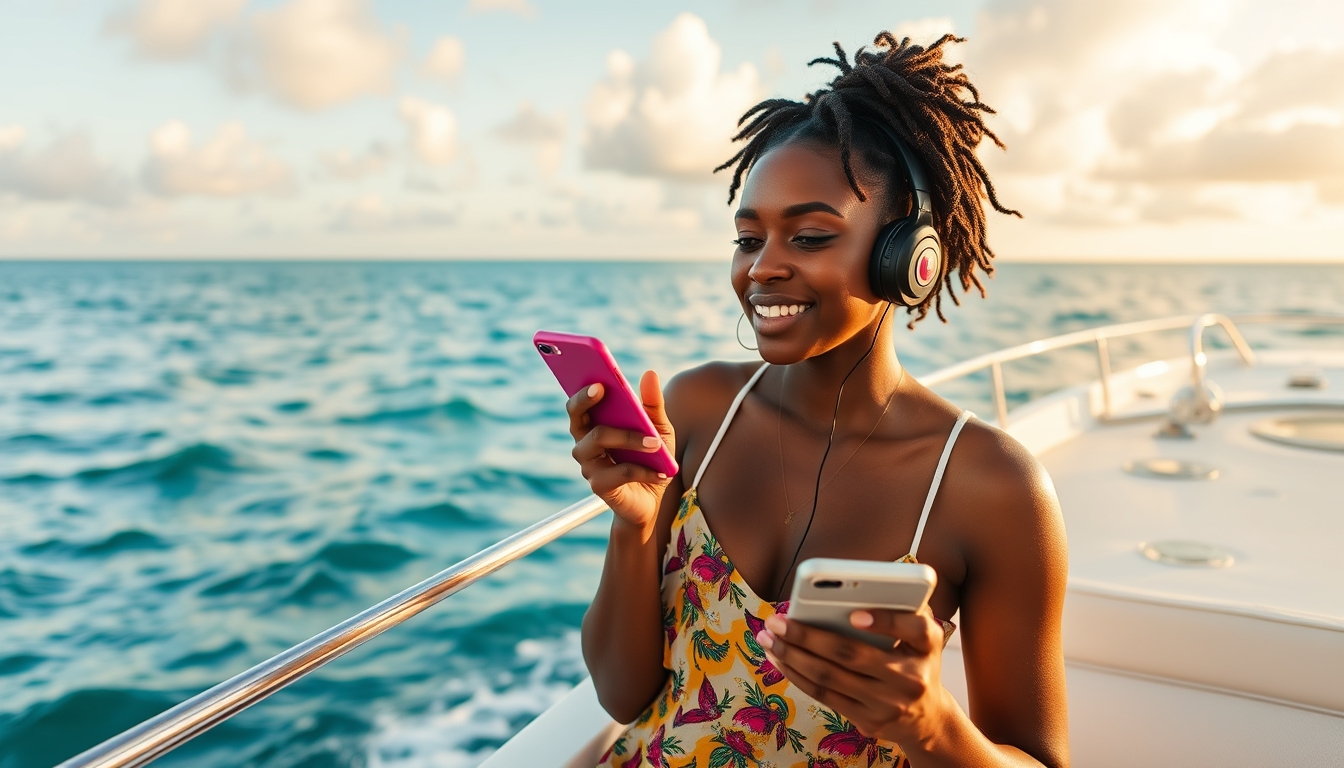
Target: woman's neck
[{"x": 809, "y": 387}]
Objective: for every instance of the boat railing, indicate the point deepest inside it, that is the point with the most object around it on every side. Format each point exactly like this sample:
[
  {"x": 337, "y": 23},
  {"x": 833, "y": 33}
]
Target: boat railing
[
  {"x": 172, "y": 728},
  {"x": 1099, "y": 339}
]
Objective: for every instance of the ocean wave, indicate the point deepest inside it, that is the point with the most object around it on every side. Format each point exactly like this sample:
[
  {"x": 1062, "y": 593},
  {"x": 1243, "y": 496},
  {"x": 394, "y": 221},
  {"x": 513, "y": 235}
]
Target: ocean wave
[
  {"x": 478, "y": 713},
  {"x": 122, "y": 541},
  {"x": 41, "y": 735},
  {"x": 207, "y": 658},
  {"x": 179, "y": 468},
  {"x": 444, "y": 515},
  {"x": 457, "y": 409},
  {"x": 368, "y": 556},
  {"x": 513, "y": 481}
]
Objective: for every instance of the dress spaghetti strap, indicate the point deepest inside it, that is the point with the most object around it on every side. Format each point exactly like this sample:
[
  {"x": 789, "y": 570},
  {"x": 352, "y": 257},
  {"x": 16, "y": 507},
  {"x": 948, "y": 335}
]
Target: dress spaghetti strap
[
  {"x": 727, "y": 419},
  {"x": 937, "y": 480}
]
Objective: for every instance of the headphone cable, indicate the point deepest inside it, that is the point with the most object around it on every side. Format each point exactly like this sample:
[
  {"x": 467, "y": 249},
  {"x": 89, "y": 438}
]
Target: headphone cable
[{"x": 830, "y": 439}]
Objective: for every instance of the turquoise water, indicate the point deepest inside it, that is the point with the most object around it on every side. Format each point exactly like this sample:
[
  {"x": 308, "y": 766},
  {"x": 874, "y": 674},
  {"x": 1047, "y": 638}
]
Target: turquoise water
[{"x": 202, "y": 464}]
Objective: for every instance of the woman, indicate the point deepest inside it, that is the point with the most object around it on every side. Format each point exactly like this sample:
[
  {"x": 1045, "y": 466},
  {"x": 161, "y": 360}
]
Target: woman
[{"x": 830, "y": 450}]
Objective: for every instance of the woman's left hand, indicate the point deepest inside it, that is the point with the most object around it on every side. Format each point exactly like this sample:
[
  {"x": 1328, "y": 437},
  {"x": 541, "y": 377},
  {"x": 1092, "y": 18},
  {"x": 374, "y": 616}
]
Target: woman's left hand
[{"x": 893, "y": 694}]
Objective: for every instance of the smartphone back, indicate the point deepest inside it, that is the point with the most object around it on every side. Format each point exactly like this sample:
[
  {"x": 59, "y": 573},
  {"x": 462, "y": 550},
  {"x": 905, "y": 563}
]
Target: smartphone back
[
  {"x": 581, "y": 361},
  {"x": 827, "y": 590}
]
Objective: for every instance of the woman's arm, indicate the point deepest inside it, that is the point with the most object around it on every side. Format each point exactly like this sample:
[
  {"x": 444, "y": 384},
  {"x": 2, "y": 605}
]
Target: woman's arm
[
  {"x": 1012, "y": 601},
  {"x": 622, "y": 630}
]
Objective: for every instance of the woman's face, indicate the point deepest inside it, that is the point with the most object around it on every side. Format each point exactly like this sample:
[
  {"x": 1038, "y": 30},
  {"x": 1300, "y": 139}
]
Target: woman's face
[{"x": 801, "y": 266}]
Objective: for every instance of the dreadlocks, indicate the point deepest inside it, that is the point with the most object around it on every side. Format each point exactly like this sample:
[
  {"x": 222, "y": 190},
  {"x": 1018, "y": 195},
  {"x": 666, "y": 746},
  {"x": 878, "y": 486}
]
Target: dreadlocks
[{"x": 915, "y": 95}]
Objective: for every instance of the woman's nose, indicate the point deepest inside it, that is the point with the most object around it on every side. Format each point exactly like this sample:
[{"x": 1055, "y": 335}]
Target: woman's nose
[{"x": 771, "y": 263}]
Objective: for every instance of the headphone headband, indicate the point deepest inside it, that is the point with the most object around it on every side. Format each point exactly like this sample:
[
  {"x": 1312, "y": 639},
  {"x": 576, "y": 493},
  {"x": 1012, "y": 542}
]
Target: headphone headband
[
  {"x": 907, "y": 258},
  {"x": 914, "y": 170}
]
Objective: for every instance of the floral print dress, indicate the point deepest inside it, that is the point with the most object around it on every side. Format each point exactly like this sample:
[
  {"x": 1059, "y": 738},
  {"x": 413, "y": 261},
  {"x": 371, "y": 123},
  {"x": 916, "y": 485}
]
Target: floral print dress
[{"x": 725, "y": 705}]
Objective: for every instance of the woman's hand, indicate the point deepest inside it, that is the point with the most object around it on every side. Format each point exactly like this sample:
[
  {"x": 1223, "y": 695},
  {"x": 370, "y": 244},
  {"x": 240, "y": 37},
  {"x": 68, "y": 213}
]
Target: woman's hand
[
  {"x": 895, "y": 694},
  {"x": 632, "y": 491}
]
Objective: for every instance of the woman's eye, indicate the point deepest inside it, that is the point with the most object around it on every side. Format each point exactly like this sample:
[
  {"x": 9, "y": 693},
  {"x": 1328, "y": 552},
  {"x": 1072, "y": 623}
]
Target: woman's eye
[
  {"x": 748, "y": 243},
  {"x": 813, "y": 241}
]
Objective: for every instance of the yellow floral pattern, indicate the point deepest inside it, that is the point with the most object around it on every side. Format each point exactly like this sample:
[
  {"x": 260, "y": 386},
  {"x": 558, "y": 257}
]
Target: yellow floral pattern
[{"x": 725, "y": 705}]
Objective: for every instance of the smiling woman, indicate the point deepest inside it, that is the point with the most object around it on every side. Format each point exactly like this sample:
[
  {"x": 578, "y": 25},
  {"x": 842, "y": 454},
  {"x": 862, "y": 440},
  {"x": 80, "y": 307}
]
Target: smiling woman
[{"x": 688, "y": 637}]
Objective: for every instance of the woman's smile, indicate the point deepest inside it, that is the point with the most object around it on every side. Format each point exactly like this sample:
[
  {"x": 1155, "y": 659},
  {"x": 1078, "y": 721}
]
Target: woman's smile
[{"x": 775, "y": 314}]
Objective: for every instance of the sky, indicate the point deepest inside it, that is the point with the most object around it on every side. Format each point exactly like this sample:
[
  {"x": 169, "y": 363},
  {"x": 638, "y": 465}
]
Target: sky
[{"x": 1136, "y": 130}]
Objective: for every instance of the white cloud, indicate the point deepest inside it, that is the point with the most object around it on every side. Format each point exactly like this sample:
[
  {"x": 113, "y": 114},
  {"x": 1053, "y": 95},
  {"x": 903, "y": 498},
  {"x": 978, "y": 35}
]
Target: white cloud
[
  {"x": 317, "y": 53},
  {"x": 432, "y": 129},
  {"x": 174, "y": 29},
  {"x": 672, "y": 115},
  {"x": 520, "y": 7},
  {"x": 445, "y": 60},
  {"x": 369, "y": 212},
  {"x": 11, "y": 136},
  {"x": 229, "y": 165},
  {"x": 1127, "y": 113},
  {"x": 346, "y": 165},
  {"x": 67, "y": 168},
  {"x": 531, "y": 127}
]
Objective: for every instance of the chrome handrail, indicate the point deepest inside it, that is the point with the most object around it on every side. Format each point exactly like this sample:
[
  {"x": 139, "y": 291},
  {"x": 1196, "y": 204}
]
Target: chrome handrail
[
  {"x": 168, "y": 730},
  {"x": 1099, "y": 338}
]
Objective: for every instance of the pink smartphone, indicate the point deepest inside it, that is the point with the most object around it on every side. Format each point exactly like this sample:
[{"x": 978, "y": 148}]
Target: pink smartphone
[{"x": 581, "y": 361}]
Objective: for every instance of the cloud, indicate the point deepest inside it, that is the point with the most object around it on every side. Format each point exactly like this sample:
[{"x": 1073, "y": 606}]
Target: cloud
[
  {"x": 229, "y": 165},
  {"x": 432, "y": 129},
  {"x": 672, "y": 115},
  {"x": 1138, "y": 112},
  {"x": 445, "y": 60},
  {"x": 370, "y": 213},
  {"x": 519, "y": 7},
  {"x": 314, "y": 54},
  {"x": 531, "y": 127},
  {"x": 346, "y": 165},
  {"x": 67, "y": 168},
  {"x": 173, "y": 29}
]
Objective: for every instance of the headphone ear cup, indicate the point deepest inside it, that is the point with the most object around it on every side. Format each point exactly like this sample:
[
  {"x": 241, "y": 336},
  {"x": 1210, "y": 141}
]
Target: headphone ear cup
[
  {"x": 883, "y": 266},
  {"x": 906, "y": 263},
  {"x": 919, "y": 264}
]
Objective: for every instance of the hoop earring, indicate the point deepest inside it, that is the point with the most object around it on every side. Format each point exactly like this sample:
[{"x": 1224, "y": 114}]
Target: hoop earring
[{"x": 738, "y": 333}]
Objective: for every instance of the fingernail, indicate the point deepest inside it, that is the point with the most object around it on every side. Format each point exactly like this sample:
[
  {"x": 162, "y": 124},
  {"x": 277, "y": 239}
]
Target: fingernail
[
  {"x": 592, "y": 390},
  {"x": 766, "y": 640},
  {"x": 776, "y": 625},
  {"x": 861, "y": 619},
  {"x": 662, "y": 476},
  {"x": 652, "y": 442}
]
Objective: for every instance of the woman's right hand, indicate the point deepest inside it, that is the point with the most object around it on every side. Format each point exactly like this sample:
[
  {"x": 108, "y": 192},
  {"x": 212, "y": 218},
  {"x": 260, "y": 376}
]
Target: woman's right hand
[{"x": 633, "y": 492}]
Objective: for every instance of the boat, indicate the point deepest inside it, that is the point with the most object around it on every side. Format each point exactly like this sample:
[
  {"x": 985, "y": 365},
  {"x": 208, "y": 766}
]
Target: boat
[{"x": 1203, "y": 499}]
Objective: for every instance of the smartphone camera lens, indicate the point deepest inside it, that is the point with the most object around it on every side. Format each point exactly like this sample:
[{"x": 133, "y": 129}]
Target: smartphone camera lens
[
  {"x": 548, "y": 349},
  {"x": 827, "y": 584}
]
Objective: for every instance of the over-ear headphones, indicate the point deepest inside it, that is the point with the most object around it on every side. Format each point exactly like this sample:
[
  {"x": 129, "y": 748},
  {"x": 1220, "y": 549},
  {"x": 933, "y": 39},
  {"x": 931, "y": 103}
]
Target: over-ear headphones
[{"x": 907, "y": 259}]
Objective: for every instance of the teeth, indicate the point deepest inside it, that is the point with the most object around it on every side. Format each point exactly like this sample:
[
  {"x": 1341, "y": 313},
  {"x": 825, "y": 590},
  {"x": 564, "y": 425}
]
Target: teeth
[{"x": 781, "y": 310}]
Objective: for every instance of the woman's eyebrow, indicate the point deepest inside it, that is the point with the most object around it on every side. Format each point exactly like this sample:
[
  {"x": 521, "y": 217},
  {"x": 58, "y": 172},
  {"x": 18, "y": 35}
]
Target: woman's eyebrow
[
  {"x": 792, "y": 211},
  {"x": 813, "y": 207}
]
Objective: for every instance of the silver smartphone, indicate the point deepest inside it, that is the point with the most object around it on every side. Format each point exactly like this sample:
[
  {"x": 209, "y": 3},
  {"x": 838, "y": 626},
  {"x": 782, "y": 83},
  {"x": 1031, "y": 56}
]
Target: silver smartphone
[{"x": 826, "y": 590}]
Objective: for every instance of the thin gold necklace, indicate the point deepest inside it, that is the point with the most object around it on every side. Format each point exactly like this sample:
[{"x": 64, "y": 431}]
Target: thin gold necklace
[{"x": 779, "y": 433}]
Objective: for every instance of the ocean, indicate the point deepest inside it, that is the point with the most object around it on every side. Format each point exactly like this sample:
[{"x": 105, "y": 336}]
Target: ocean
[{"x": 202, "y": 464}]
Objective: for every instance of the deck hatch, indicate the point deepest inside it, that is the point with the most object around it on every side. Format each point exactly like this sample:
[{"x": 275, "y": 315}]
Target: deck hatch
[
  {"x": 1187, "y": 553},
  {"x": 1318, "y": 432},
  {"x": 1171, "y": 469}
]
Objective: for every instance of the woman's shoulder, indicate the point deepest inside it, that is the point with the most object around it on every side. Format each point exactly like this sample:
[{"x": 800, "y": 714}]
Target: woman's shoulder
[
  {"x": 705, "y": 391},
  {"x": 1006, "y": 495}
]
